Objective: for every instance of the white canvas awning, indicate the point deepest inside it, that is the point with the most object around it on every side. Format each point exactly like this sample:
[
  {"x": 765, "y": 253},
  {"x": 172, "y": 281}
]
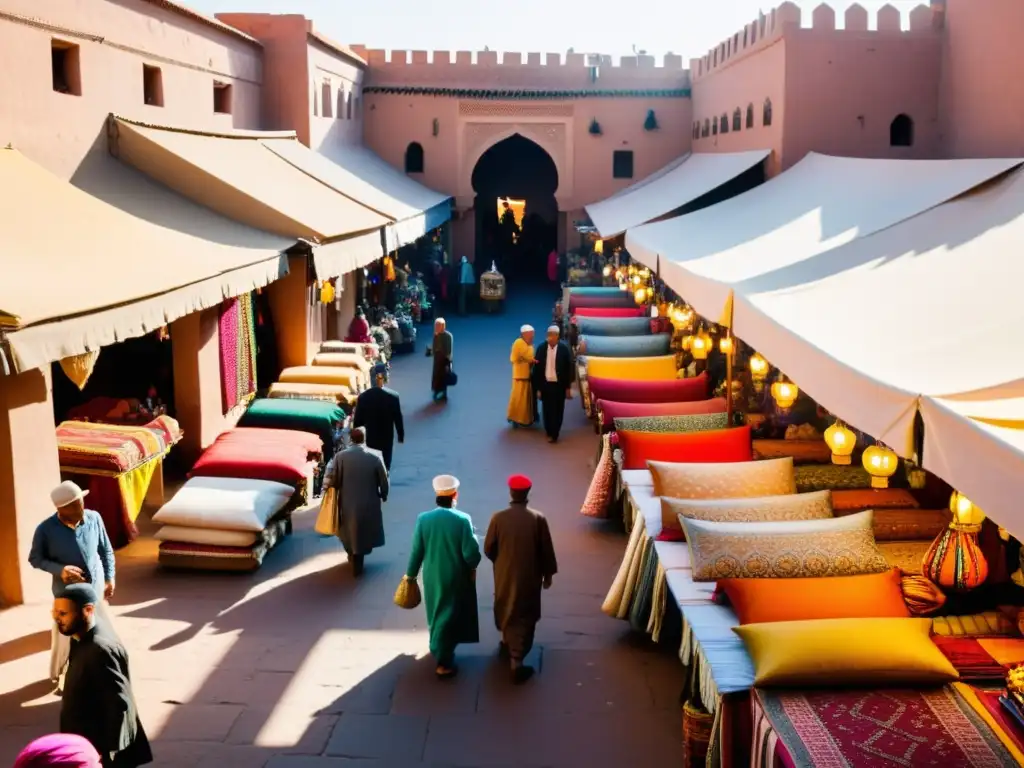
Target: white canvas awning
[
  {"x": 112, "y": 257},
  {"x": 820, "y": 203},
  {"x": 415, "y": 208},
  {"x": 237, "y": 174},
  {"x": 680, "y": 182}
]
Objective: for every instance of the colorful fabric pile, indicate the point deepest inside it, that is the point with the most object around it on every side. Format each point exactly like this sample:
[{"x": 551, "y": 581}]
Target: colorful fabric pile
[{"x": 237, "y": 326}]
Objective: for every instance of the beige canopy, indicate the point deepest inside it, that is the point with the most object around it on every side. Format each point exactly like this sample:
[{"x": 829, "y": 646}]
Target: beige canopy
[
  {"x": 266, "y": 180},
  {"x": 680, "y": 182},
  {"x": 80, "y": 271}
]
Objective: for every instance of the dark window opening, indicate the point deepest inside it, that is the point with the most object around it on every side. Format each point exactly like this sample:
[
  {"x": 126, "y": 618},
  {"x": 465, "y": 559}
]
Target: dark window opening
[
  {"x": 622, "y": 164},
  {"x": 222, "y": 98},
  {"x": 714, "y": 127},
  {"x": 414, "y": 158},
  {"x": 152, "y": 86},
  {"x": 357, "y": 107},
  {"x": 737, "y": 120},
  {"x": 750, "y": 116},
  {"x": 351, "y": 104},
  {"x": 66, "y": 64},
  {"x": 901, "y": 131},
  {"x": 766, "y": 118},
  {"x": 341, "y": 101},
  {"x": 723, "y": 124},
  {"x": 326, "y": 99},
  {"x": 707, "y": 128}
]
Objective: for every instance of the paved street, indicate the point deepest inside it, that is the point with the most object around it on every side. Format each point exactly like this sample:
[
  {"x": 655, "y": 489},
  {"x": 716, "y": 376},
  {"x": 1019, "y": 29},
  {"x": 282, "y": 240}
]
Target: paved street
[{"x": 301, "y": 666}]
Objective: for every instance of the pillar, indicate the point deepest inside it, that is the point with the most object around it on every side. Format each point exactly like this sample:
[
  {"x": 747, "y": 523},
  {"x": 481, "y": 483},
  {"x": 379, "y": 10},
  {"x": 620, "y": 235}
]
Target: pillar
[
  {"x": 293, "y": 315},
  {"x": 29, "y": 470}
]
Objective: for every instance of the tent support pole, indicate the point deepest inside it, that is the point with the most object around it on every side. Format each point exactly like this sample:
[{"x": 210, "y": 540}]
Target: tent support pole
[{"x": 728, "y": 382}]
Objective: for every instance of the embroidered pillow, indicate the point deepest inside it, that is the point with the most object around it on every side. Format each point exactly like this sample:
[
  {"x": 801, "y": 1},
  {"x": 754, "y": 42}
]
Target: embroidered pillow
[
  {"x": 697, "y": 422},
  {"x": 841, "y": 546},
  {"x": 764, "y": 509},
  {"x": 874, "y": 498},
  {"x": 821, "y": 477},
  {"x": 662, "y": 391},
  {"x": 609, "y": 312},
  {"x": 599, "y": 495},
  {"x": 633, "y": 368},
  {"x": 610, "y": 410},
  {"x": 718, "y": 446},
  {"x": 741, "y": 480}
]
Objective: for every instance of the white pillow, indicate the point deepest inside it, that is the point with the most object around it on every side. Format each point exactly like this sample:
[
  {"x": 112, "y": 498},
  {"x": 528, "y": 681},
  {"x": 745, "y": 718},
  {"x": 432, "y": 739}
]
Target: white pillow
[
  {"x": 225, "y": 504},
  {"x": 209, "y": 536}
]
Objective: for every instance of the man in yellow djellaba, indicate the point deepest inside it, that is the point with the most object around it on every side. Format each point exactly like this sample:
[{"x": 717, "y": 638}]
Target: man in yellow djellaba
[{"x": 522, "y": 403}]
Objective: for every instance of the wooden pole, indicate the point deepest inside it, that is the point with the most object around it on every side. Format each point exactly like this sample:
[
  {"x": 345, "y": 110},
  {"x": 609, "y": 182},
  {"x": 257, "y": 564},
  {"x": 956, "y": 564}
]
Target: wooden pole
[{"x": 728, "y": 380}]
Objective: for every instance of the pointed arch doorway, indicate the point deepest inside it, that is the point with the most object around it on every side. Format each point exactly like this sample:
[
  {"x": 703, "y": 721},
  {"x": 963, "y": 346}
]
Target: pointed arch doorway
[{"x": 518, "y": 238}]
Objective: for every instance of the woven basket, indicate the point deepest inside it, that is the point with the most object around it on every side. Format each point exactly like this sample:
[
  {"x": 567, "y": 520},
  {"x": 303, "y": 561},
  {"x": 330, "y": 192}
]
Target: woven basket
[{"x": 696, "y": 735}]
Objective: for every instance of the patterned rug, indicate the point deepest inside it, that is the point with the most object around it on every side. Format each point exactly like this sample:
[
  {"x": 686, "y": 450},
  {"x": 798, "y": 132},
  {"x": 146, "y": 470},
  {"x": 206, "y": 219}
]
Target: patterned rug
[
  {"x": 881, "y": 728},
  {"x": 237, "y": 350}
]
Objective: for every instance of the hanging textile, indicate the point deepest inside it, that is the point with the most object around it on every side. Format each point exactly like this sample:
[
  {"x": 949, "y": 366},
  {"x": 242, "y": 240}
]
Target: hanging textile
[
  {"x": 79, "y": 368},
  {"x": 237, "y": 325},
  {"x": 389, "y": 269}
]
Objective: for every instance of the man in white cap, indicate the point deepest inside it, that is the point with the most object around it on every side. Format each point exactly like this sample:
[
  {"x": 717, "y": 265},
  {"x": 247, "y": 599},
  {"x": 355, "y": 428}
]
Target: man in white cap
[
  {"x": 445, "y": 548},
  {"x": 552, "y": 379},
  {"x": 522, "y": 404},
  {"x": 73, "y": 547}
]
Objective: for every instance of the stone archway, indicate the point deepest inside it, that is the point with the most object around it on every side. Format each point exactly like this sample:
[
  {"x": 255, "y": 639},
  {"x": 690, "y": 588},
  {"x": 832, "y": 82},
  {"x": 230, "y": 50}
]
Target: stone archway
[
  {"x": 478, "y": 137},
  {"x": 515, "y": 167}
]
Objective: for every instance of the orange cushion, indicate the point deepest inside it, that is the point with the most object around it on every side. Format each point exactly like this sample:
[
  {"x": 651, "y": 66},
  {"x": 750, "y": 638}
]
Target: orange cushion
[
  {"x": 871, "y": 596},
  {"x": 717, "y": 446}
]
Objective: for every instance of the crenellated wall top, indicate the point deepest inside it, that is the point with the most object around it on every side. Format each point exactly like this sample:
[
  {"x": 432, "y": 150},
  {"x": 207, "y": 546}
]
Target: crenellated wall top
[
  {"x": 491, "y": 69},
  {"x": 768, "y": 28}
]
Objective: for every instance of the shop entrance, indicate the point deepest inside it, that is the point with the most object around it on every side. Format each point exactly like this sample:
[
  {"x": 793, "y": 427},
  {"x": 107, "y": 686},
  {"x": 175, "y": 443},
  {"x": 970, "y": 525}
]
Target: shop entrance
[{"x": 516, "y": 211}]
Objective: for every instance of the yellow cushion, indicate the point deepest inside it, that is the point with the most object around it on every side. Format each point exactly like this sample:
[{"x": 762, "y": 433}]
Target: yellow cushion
[
  {"x": 343, "y": 360},
  {"x": 658, "y": 368},
  {"x": 322, "y": 374},
  {"x": 824, "y": 653},
  {"x": 732, "y": 480}
]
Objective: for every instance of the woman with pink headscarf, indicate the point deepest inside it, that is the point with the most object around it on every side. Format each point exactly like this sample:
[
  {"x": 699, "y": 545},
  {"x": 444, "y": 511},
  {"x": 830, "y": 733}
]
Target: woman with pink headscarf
[{"x": 59, "y": 750}]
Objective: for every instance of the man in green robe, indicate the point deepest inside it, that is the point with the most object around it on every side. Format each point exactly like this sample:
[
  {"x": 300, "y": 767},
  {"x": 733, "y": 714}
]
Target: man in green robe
[{"x": 445, "y": 548}]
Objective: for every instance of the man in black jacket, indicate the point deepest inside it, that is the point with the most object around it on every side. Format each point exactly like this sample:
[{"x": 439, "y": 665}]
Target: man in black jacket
[
  {"x": 98, "y": 702},
  {"x": 552, "y": 381},
  {"x": 379, "y": 412}
]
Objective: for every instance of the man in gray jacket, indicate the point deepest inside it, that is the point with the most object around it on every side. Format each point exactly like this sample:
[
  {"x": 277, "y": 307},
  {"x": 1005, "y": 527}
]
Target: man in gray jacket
[{"x": 360, "y": 480}]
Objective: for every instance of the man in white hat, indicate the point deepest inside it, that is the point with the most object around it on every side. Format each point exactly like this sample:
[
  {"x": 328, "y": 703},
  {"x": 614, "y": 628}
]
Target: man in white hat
[
  {"x": 73, "y": 547},
  {"x": 522, "y": 403},
  {"x": 552, "y": 380},
  {"x": 445, "y": 548}
]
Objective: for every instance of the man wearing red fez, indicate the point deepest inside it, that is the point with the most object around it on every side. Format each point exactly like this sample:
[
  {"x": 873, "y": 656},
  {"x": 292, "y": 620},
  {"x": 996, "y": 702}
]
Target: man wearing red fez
[{"x": 519, "y": 544}]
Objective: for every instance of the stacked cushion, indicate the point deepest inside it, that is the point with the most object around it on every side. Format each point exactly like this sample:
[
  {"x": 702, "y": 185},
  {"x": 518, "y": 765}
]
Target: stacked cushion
[
  {"x": 317, "y": 417},
  {"x": 621, "y": 299},
  {"x": 698, "y": 422},
  {"x": 282, "y": 458},
  {"x": 722, "y": 481},
  {"x": 613, "y": 326},
  {"x": 610, "y": 410},
  {"x": 224, "y": 504},
  {"x": 333, "y": 393},
  {"x": 346, "y": 360},
  {"x": 628, "y": 390},
  {"x": 370, "y": 350},
  {"x": 659, "y": 368},
  {"x": 717, "y": 446},
  {"x": 763, "y": 509},
  {"x": 322, "y": 374},
  {"x": 610, "y": 312},
  {"x": 626, "y": 346}
]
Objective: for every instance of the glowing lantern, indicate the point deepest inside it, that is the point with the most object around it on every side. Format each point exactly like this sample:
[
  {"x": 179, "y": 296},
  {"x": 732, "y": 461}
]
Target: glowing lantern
[
  {"x": 599, "y": 246},
  {"x": 655, "y": 311},
  {"x": 637, "y": 280},
  {"x": 842, "y": 441},
  {"x": 701, "y": 345},
  {"x": 640, "y": 295},
  {"x": 623, "y": 285},
  {"x": 620, "y": 275},
  {"x": 880, "y": 462},
  {"x": 758, "y": 368},
  {"x": 327, "y": 293},
  {"x": 645, "y": 273},
  {"x": 784, "y": 393},
  {"x": 607, "y": 270},
  {"x": 687, "y": 343},
  {"x": 955, "y": 560},
  {"x": 725, "y": 345}
]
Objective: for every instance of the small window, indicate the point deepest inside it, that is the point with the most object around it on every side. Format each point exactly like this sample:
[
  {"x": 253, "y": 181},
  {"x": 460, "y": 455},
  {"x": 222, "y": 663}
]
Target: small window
[
  {"x": 714, "y": 127},
  {"x": 326, "y": 99},
  {"x": 737, "y": 120},
  {"x": 341, "y": 101},
  {"x": 723, "y": 124},
  {"x": 152, "y": 86},
  {"x": 221, "y": 98},
  {"x": 901, "y": 131},
  {"x": 67, "y": 72},
  {"x": 350, "y": 104},
  {"x": 707, "y": 128},
  {"x": 622, "y": 164},
  {"x": 696, "y": 130},
  {"x": 750, "y": 115},
  {"x": 414, "y": 158},
  {"x": 766, "y": 118}
]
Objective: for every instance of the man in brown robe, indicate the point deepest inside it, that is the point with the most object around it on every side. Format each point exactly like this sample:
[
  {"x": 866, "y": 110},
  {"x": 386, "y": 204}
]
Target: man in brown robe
[{"x": 519, "y": 544}]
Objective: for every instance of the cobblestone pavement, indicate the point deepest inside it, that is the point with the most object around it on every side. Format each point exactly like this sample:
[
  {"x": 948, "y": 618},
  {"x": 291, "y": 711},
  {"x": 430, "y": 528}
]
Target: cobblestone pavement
[{"x": 302, "y": 666}]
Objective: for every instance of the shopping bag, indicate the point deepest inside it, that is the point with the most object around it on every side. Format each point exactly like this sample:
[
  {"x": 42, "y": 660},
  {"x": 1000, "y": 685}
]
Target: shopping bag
[
  {"x": 451, "y": 378},
  {"x": 327, "y": 518},
  {"x": 407, "y": 595}
]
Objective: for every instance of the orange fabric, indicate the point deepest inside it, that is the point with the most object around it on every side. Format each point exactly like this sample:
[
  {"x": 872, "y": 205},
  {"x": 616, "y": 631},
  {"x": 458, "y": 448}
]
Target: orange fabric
[
  {"x": 873, "y": 498},
  {"x": 874, "y": 596},
  {"x": 1008, "y": 651},
  {"x": 716, "y": 446}
]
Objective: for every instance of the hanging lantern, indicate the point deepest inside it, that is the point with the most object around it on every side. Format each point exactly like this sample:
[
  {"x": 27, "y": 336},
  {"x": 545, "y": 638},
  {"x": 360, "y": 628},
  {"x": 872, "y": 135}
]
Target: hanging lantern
[
  {"x": 955, "y": 560},
  {"x": 637, "y": 280},
  {"x": 607, "y": 271},
  {"x": 784, "y": 393},
  {"x": 758, "y": 368},
  {"x": 701, "y": 345},
  {"x": 841, "y": 441},
  {"x": 880, "y": 462},
  {"x": 725, "y": 345},
  {"x": 326, "y": 293},
  {"x": 687, "y": 343},
  {"x": 640, "y": 295},
  {"x": 599, "y": 246},
  {"x": 623, "y": 285},
  {"x": 645, "y": 274},
  {"x": 655, "y": 312}
]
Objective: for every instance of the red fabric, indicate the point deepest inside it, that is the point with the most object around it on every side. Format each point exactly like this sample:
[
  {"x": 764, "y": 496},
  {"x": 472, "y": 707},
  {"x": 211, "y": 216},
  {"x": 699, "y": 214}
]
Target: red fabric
[
  {"x": 283, "y": 461},
  {"x": 661, "y": 391},
  {"x": 249, "y": 435},
  {"x": 881, "y": 727},
  {"x": 520, "y": 483},
  {"x": 622, "y": 299},
  {"x": 106, "y": 499},
  {"x": 610, "y": 312},
  {"x": 359, "y": 331},
  {"x": 553, "y": 266},
  {"x": 613, "y": 409},
  {"x": 971, "y": 660},
  {"x": 1010, "y": 725},
  {"x": 673, "y": 535},
  {"x": 718, "y": 446}
]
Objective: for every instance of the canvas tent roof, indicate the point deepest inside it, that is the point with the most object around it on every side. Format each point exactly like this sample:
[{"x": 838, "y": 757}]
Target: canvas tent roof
[
  {"x": 240, "y": 175},
  {"x": 680, "y": 182},
  {"x": 415, "y": 209},
  {"x": 96, "y": 274}
]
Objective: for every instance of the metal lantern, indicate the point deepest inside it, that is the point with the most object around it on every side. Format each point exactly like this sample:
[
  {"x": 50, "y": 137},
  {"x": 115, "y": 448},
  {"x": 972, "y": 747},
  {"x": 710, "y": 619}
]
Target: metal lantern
[
  {"x": 785, "y": 393},
  {"x": 964, "y": 511},
  {"x": 955, "y": 559},
  {"x": 701, "y": 345},
  {"x": 841, "y": 441},
  {"x": 640, "y": 295},
  {"x": 599, "y": 246},
  {"x": 880, "y": 462},
  {"x": 725, "y": 345},
  {"x": 607, "y": 271},
  {"x": 758, "y": 368}
]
